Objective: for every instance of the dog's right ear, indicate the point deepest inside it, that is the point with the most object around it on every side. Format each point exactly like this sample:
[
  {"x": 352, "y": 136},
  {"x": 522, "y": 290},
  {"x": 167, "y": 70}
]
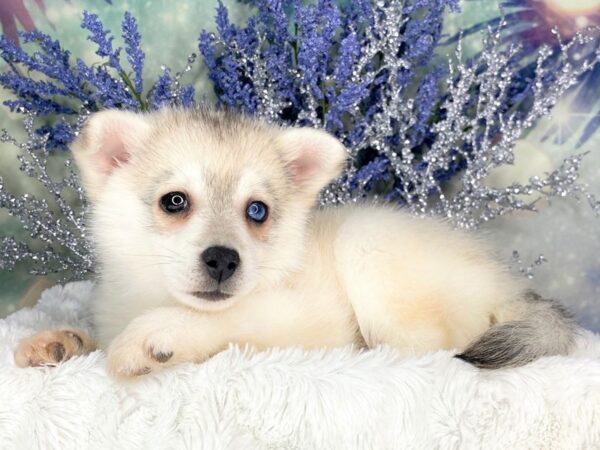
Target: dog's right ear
[{"x": 106, "y": 142}]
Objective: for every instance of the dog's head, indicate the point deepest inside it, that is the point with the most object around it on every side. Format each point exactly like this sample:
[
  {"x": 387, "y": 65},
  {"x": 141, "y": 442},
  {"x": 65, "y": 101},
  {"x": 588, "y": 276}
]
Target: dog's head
[{"x": 208, "y": 205}]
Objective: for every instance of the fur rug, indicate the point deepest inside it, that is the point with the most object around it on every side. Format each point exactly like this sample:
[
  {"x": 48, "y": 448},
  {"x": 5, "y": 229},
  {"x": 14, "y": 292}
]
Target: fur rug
[{"x": 292, "y": 399}]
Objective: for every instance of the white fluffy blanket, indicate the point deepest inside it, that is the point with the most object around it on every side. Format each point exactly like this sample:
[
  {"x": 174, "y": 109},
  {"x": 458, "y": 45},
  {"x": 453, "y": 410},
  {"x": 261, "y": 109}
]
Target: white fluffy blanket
[{"x": 292, "y": 399}]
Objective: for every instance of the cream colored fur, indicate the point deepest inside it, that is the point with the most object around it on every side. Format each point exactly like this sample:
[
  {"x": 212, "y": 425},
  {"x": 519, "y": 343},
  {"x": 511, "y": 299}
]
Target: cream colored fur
[{"x": 362, "y": 274}]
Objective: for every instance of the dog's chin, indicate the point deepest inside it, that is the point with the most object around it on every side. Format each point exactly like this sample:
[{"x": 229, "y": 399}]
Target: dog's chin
[{"x": 206, "y": 301}]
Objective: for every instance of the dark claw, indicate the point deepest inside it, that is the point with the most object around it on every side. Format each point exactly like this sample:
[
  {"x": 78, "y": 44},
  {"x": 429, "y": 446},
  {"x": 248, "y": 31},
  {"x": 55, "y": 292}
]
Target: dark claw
[
  {"x": 162, "y": 357},
  {"x": 144, "y": 371},
  {"x": 77, "y": 338}
]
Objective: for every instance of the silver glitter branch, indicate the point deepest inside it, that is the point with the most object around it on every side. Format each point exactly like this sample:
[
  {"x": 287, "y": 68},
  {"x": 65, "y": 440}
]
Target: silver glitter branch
[
  {"x": 474, "y": 202},
  {"x": 56, "y": 225},
  {"x": 483, "y": 136}
]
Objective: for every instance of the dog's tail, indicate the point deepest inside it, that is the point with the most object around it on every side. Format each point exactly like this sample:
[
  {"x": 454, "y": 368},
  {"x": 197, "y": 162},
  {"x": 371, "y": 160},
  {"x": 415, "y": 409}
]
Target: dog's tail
[{"x": 543, "y": 328}]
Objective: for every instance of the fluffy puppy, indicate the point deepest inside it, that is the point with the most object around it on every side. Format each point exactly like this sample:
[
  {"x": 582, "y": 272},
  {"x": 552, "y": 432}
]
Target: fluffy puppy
[{"x": 207, "y": 234}]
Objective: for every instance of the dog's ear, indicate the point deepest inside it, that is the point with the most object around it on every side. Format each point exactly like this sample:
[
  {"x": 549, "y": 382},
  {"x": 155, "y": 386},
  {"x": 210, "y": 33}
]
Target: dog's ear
[
  {"x": 106, "y": 142},
  {"x": 313, "y": 157}
]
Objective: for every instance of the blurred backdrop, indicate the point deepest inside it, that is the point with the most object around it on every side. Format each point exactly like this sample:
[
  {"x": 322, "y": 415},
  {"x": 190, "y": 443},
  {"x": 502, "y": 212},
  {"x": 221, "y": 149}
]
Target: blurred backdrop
[{"x": 566, "y": 233}]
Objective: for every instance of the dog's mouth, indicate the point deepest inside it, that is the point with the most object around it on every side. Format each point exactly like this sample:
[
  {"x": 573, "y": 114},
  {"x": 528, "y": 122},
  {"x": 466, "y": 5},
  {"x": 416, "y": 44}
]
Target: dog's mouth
[{"x": 211, "y": 295}]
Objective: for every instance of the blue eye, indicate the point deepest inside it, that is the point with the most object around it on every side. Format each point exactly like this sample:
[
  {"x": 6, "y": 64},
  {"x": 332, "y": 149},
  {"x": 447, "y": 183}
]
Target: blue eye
[{"x": 257, "y": 212}]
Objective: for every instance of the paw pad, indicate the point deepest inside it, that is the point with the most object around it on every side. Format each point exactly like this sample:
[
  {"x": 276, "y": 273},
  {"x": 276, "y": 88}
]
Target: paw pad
[
  {"x": 50, "y": 347},
  {"x": 56, "y": 351}
]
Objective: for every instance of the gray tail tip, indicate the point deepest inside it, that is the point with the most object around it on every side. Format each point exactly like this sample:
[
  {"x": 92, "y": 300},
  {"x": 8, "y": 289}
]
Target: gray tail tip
[
  {"x": 546, "y": 329},
  {"x": 501, "y": 346},
  {"x": 482, "y": 362}
]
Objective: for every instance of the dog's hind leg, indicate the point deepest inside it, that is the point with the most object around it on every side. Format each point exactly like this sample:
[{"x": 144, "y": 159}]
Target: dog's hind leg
[
  {"x": 412, "y": 324},
  {"x": 415, "y": 285},
  {"x": 387, "y": 309}
]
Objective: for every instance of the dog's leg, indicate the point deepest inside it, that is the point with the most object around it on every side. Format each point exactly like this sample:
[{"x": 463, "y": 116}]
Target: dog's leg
[
  {"x": 172, "y": 335},
  {"x": 50, "y": 347},
  {"x": 160, "y": 338},
  {"x": 415, "y": 285},
  {"x": 414, "y": 325}
]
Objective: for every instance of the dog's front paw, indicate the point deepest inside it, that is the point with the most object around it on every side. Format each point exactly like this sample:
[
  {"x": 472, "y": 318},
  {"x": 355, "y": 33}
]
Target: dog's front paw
[
  {"x": 134, "y": 353},
  {"x": 50, "y": 347}
]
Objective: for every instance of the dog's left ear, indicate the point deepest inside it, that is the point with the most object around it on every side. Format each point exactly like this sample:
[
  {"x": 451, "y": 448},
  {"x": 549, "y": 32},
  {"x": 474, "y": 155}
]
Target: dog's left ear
[{"x": 313, "y": 157}]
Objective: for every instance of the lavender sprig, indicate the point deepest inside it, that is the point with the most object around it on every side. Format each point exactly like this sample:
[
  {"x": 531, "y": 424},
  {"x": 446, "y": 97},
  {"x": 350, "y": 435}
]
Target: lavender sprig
[
  {"x": 102, "y": 39},
  {"x": 67, "y": 85},
  {"x": 135, "y": 55}
]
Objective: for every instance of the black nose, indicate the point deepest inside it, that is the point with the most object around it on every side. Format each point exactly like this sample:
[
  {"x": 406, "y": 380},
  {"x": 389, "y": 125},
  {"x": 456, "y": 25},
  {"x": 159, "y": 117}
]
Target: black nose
[{"x": 220, "y": 262}]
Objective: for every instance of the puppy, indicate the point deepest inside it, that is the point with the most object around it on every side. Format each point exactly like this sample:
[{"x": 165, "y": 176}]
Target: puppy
[{"x": 207, "y": 234}]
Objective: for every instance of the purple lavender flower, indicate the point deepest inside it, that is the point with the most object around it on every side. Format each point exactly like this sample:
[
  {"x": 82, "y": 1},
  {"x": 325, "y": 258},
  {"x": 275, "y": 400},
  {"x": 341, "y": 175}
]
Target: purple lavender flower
[
  {"x": 161, "y": 91},
  {"x": 426, "y": 99},
  {"x": 69, "y": 86},
  {"x": 25, "y": 87},
  {"x": 135, "y": 55},
  {"x": 109, "y": 91},
  {"x": 367, "y": 72},
  {"x": 61, "y": 134},
  {"x": 187, "y": 97},
  {"x": 42, "y": 105},
  {"x": 102, "y": 39},
  {"x": 349, "y": 51},
  {"x": 227, "y": 76},
  {"x": 305, "y": 63},
  {"x": 317, "y": 25},
  {"x": 371, "y": 173},
  {"x": 52, "y": 61}
]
